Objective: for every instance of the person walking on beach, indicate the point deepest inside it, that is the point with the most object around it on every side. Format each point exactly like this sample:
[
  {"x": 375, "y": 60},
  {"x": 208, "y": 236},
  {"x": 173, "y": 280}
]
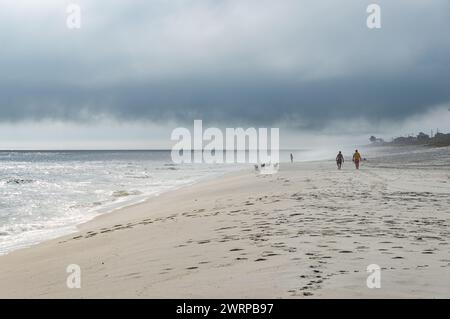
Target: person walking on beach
[
  {"x": 292, "y": 158},
  {"x": 339, "y": 160},
  {"x": 356, "y": 159}
]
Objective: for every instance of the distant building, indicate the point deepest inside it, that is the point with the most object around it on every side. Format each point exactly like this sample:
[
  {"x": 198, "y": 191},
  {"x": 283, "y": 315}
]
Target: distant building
[{"x": 423, "y": 137}]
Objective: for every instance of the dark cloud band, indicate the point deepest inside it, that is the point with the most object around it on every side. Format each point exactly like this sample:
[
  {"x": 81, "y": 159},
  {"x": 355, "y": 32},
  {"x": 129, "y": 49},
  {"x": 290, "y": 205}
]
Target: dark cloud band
[{"x": 229, "y": 62}]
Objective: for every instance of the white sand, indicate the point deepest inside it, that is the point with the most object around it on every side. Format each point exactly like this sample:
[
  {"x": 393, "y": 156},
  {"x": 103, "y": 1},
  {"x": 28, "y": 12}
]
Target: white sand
[{"x": 309, "y": 230}]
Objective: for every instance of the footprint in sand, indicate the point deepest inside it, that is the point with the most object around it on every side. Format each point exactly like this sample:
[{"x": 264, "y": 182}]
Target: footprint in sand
[{"x": 91, "y": 235}]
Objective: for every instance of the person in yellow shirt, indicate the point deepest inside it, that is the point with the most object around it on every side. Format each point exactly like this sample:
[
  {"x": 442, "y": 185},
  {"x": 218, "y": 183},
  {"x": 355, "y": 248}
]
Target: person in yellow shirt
[{"x": 356, "y": 159}]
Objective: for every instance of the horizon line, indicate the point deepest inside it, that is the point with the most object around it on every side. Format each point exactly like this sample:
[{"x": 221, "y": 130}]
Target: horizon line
[{"x": 132, "y": 150}]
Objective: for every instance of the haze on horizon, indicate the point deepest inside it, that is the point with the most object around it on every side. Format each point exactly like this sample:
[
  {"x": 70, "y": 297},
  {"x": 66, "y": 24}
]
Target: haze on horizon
[{"x": 135, "y": 70}]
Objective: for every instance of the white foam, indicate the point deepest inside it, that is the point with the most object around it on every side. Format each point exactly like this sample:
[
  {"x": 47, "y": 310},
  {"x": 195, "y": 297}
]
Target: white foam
[{"x": 67, "y": 192}]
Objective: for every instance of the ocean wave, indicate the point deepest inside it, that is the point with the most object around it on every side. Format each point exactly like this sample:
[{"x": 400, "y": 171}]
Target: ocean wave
[
  {"x": 86, "y": 205},
  {"x": 123, "y": 193},
  {"x": 19, "y": 181},
  {"x": 42, "y": 197},
  {"x": 167, "y": 168},
  {"x": 138, "y": 176},
  {"x": 20, "y": 228}
]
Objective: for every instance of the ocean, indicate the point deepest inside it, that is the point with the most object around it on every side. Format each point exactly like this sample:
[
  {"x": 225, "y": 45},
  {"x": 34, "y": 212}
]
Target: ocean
[{"x": 46, "y": 194}]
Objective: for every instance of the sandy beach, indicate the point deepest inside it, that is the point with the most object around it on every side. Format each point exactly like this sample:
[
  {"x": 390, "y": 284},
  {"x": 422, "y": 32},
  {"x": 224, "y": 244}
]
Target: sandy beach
[{"x": 309, "y": 231}]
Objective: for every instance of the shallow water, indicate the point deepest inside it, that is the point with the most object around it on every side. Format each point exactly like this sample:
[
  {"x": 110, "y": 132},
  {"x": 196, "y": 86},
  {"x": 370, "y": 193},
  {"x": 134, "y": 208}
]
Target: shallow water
[{"x": 46, "y": 194}]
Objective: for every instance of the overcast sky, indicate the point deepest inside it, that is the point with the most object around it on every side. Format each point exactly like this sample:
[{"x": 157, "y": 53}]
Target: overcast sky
[{"x": 301, "y": 65}]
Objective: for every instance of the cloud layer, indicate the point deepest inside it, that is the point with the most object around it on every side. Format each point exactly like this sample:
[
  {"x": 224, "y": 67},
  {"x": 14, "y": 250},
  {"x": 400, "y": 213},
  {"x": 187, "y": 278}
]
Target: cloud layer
[{"x": 255, "y": 61}]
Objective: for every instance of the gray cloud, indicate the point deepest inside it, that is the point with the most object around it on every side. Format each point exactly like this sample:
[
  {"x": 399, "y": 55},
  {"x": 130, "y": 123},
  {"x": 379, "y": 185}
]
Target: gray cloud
[{"x": 309, "y": 62}]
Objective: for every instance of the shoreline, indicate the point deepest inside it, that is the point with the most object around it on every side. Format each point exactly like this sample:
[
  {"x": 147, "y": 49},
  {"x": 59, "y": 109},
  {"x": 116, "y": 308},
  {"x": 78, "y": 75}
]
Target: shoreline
[
  {"x": 242, "y": 235},
  {"x": 108, "y": 209},
  {"x": 149, "y": 198}
]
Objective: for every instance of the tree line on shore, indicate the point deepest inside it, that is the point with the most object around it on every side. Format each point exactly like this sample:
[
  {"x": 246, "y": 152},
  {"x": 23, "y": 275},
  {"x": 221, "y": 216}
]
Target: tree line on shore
[{"x": 438, "y": 140}]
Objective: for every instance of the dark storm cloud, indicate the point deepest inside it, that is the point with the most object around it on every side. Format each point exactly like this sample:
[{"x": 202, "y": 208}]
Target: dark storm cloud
[{"x": 306, "y": 62}]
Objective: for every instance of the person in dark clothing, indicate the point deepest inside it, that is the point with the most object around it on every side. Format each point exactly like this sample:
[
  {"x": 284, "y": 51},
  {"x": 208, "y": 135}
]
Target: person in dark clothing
[{"x": 339, "y": 160}]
